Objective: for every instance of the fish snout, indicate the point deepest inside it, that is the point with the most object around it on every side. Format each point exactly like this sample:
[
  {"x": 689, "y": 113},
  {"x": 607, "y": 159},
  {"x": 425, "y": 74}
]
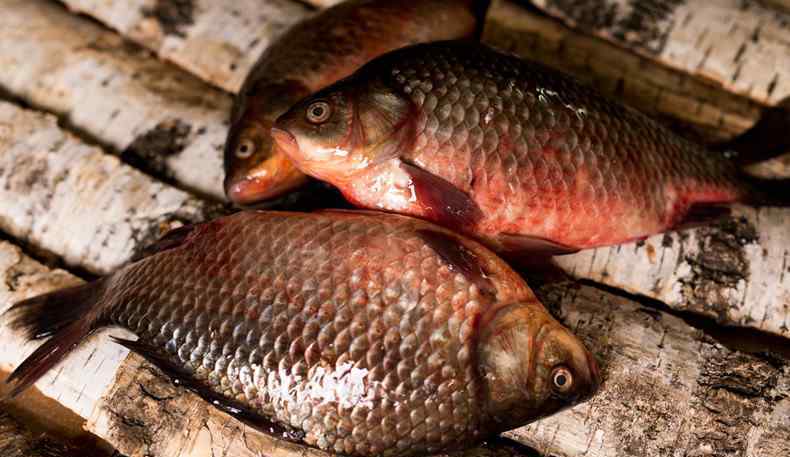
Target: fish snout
[{"x": 272, "y": 178}]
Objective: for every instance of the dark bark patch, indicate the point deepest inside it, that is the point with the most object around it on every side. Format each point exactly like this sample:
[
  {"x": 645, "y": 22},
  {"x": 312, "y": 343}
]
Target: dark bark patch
[
  {"x": 172, "y": 15},
  {"x": 150, "y": 150},
  {"x": 719, "y": 266},
  {"x": 642, "y": 24}
]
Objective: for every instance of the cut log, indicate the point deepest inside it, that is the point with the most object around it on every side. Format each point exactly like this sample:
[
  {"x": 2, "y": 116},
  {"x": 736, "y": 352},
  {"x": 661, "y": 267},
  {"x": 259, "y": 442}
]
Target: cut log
[
  {"x": 67, "y": 197},
  {"x": 165, "y": 119},
  {"x": 741, "y": 45},
  {"x": 668, "y": 389},
  {"x": 217, "y": 41},
  {"x": 636, "y": 80}
]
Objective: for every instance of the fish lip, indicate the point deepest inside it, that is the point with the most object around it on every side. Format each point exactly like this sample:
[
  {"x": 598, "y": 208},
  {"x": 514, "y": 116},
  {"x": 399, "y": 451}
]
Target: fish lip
[{"x": 286, "y": 141}]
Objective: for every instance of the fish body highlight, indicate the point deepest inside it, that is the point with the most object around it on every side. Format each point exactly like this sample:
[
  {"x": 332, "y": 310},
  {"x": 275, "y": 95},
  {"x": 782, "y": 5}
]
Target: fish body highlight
[
  {"x": 362, "y": 334},
  {"x": 512, "y": 152},
  {"x": 311, "y": 55}
]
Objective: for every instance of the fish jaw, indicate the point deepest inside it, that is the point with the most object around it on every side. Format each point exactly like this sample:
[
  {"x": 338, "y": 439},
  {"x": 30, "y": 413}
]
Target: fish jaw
[{"x": 270, "y": 179}]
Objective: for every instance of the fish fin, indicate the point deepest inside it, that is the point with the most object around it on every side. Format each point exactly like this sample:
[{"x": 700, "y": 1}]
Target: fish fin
[
  {"x": 459, "y": 258},
  {"x": 182, "y": 377},
  {"x": 479, "y": 11},
  {"x": 700, "y": 214},
  {"x": 525, "y": 246},
  {"x": 442, "y": 201},
  {"x": 170, "y": 240},
  {"x": 766, "y": 139},
  {"x": 67, "y": 316}
]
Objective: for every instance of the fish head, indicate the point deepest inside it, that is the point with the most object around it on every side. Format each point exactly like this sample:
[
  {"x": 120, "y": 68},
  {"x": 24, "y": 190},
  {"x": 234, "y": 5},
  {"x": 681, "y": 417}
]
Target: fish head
[
  {"x": 532, "y": 366},
  {"x": 349, "y": 127},
  {"x": 255, "y": 168}
]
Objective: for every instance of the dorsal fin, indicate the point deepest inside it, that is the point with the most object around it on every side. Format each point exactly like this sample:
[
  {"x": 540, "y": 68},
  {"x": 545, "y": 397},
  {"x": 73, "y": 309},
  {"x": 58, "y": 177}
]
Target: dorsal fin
[
  {"x": 459, "y": 258},
  {"x": 170, "y": 240}
]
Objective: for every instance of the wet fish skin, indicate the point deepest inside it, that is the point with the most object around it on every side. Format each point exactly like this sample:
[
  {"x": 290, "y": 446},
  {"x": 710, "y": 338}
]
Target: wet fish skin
[
  {"x": 363, "y": 334},
  {"x": 312, "y": 55},
  {"x": 510, "y": 151}
]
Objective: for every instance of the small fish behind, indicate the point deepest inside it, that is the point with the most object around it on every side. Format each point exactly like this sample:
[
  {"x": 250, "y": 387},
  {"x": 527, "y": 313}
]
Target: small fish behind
[
  {"x": 362, "y": 334},
  {"x": 312, "y": 55},
  {"x": 507, "y": 150}
]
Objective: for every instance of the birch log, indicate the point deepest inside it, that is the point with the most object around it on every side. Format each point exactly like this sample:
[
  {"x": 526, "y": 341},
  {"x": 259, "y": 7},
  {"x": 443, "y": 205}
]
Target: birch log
[
  {"x": 636, "y": 80},
  {"x": 67, "y": 197},
  {"x": 741, "y": 45},
  {"x": 218, "y": 41},
  {"x": 115, "y": 92}
]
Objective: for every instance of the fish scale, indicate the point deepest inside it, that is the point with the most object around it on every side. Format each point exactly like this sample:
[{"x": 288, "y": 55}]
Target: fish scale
[
  {"x": 302, "y": 340},
  {"x": 358, "y": 333},
  {"x": 525, "y": 151}
]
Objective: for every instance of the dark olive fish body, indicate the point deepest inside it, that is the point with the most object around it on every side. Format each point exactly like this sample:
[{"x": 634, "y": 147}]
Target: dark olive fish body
[
  {"x": 359, "y": 334},
  {"x": 313, "y": 54},
  {"x": 508, "y": 150}
]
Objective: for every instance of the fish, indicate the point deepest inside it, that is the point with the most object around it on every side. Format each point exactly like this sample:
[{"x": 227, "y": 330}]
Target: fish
[
  {"x": 312, "y": 55},
  {"x": 353, "y": 332},
  {"x": 509, "y": 151}
]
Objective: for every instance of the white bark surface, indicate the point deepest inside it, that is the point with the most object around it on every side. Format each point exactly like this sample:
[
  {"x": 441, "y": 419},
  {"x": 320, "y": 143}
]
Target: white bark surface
[
  {"x": 73, "y": 199},
  {"x": 218, "y": 41},
  {"x": 114, "y": 92},
  {"x": 741, "y": 45}
]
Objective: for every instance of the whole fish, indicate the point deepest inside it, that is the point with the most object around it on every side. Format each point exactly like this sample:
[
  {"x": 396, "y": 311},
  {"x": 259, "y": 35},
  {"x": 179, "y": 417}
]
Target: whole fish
[
  {"x": 355, "y": 333},
  {"x": 510, "y": 151},
  {"x": 312, "y": 55}
]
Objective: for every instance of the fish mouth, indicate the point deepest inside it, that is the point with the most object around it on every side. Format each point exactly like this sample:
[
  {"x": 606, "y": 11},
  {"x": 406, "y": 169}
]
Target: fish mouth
[{"x": 273, "y": 178}]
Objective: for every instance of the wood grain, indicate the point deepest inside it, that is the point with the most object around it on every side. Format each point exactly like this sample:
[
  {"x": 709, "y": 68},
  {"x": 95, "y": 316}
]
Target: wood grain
[{"x": 740, "y": 45}]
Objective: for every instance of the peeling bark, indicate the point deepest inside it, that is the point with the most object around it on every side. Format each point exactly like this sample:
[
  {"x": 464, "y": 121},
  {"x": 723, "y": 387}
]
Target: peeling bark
[
  {"x": 72, "y": 199},
  {"x": 217, "y": 41},
  {"x": 741, "y": 45}
]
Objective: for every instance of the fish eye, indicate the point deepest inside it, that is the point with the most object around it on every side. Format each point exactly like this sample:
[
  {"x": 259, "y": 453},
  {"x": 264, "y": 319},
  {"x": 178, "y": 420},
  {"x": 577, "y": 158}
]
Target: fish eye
[
  {"x": 319, "y": 112},
  {"x": 562, "y": 379},
  {"x": 245, "y": 149}
]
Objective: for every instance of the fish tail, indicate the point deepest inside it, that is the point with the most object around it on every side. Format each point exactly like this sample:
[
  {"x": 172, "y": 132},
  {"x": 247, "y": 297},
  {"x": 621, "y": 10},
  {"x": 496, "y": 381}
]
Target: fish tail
[
  {"x": 67, "y": 316},
  {"x": 768, "y": 138}
]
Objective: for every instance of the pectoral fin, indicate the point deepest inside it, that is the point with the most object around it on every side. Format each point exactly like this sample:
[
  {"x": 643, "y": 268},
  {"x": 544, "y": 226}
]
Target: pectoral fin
[
  {"x": 525, "y": 246},
  {"x": 459, "y": 258},
  {"x": 442, "y": 201}
]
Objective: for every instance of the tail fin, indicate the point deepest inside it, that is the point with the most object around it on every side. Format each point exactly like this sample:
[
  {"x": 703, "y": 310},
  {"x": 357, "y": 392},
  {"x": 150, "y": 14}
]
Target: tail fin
[
  {"x": 768, "y": 138},
  {"x": 479, "y": 10},
  {"x": 67, "y": 315}
]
